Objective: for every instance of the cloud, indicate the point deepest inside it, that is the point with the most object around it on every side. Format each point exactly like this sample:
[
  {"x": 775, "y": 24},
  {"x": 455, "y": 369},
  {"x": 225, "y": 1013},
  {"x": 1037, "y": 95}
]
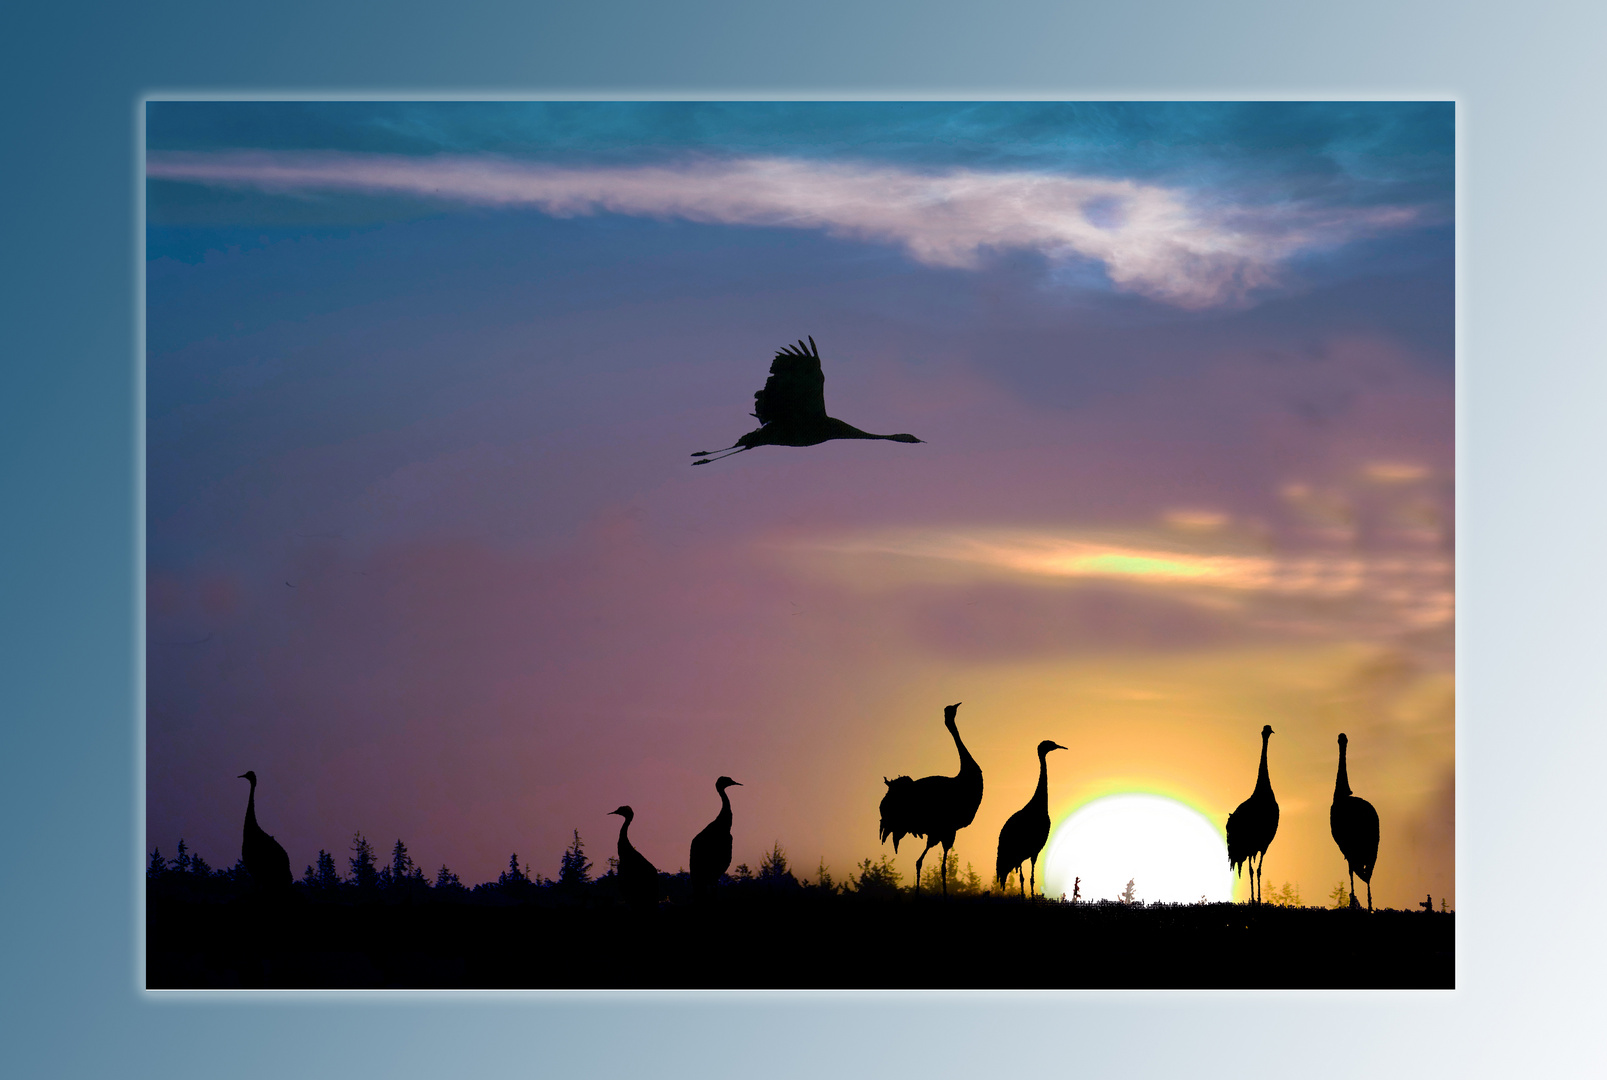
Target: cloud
[
  {"x": 1371, "y": 593},
  {"x": 1155, "y": 241}
]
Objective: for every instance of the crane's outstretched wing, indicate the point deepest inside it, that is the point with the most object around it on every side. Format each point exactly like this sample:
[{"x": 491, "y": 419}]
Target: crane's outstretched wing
[{"x": 796, "y": 390}]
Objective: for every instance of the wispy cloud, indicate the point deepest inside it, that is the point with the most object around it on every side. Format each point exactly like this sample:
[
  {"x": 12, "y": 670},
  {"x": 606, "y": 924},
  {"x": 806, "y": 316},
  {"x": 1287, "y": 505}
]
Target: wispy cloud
[
  {"x": 1155, "y": 241},
  {"x": 1408, "y": 589}
]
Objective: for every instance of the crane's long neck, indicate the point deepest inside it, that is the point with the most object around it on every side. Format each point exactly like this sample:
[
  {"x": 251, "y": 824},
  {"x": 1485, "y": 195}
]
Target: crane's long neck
[
  {"x": 725, "y": 810},
  {"x": 1040, "y": 797},
  {"x": 1263, "y": 783},
  {"x": 968, "y": 765},
  {"x": 624, "y": 841},
  {"x": 251, "y": 808},
  {"x": 1342, "y": 781}
]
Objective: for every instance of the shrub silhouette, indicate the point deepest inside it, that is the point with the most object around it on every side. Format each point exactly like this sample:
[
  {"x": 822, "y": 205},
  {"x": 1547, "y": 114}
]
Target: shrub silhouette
[
  {"x": 1288, "y": 896},
  {"x": 774, "y": 871},
  {"x": 876, "y": 879}
]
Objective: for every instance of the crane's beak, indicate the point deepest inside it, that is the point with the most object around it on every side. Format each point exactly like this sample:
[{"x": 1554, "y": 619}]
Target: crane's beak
[{"x": 1059, "y": 747}]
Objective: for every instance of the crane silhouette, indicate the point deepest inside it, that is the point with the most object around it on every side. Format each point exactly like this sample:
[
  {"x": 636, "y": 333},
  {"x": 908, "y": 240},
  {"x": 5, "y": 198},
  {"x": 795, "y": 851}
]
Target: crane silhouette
[
  {"x": 638, "y": 878},
  {"x": 1354, "y": 824},
  {"x": 1024, "y": 835},
  {"x": 265, "y": 860},
  {"x": 1253, "y": 825},
  {"x": 935, "y": 807},
  {"x": 711, "y": 848},
  {"x": 791, "y": 409}
]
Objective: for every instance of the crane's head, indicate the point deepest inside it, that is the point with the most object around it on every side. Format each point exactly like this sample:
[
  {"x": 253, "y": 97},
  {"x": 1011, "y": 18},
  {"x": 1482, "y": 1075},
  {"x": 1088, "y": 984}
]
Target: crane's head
[
  {"x": 625, "y": 812},
  {"x": 1342, "y": 740},
  {"x": 724, "y": 782},
  {"x": 1048, "y": 745},
  {"x": 248, "y": 775},
  {"x": 949, "y": 711},
  {"x": 1266, "y": 729}
]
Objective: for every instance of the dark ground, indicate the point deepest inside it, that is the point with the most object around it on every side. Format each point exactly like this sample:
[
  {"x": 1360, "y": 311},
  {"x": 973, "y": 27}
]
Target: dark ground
[{"x": 794, "y": 941}]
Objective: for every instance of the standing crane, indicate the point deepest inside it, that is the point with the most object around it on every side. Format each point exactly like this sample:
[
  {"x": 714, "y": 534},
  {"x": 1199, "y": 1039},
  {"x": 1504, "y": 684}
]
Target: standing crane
[
  {"x": 1253, "y": 825},
  {"x": 1024, "y": 835},
  {"x": 935, "y": 807},
  {"x": 1354, "y": 824},
  {"x": 711, "y": 848},
  {"x": 265, "y": 860},
  {"x": 791, "y": 409},
  {"x": 638, "y": 878}
]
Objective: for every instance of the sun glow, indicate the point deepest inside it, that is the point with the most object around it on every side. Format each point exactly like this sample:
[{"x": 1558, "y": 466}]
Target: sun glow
[{"x": 1169, "y": 851}]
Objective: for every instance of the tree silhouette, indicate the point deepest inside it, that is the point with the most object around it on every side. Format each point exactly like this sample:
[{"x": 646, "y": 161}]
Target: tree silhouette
[
  {"x": 365, "y": 875},
  {"x": 406, "y": 879},
  {"x": 1288, "y": 896},
  {"x": 774, "y": 871},
  {"x": 823, "y": 876},
  {"x": 1128, "y": 895},
  {"x": 965, "y": 882},
  {"x": 181, "y": 865},
  {"x": 326, "y": 879},
  {"x": 574, "y": 869},
  {"x": 876, "y": 879},
  {"x": 447, "y": 883},
  {"x": 157, "y": 865}
]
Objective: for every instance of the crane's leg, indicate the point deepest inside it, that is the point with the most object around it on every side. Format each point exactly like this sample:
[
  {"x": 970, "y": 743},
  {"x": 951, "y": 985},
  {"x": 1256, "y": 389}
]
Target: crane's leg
[
  {"x": 727, "y": 452},
  {"x": 946, "y": 876},
  {"x": 1021, "y": 881},
  {"x": 918, "y": 863},
  {"x": 1369, "y": 896},
  {"x": 1035, "y": 875},
  {"x": 1353, "y": 902}
]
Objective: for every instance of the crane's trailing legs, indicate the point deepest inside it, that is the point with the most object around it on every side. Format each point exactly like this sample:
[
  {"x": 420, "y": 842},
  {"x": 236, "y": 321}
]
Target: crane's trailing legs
[{"x": 723, "y": 454}]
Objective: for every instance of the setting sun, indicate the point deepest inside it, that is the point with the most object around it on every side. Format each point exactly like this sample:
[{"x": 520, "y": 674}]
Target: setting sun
[{"x": 1170, "y": 852}]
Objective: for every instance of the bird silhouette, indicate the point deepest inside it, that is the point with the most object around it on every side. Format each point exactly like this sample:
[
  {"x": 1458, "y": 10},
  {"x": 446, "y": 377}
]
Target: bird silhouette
[
  {"x": 791, "y": 409},
  {"x": 265, "y": 860},
  {"x": 711, "y": 848},
  {"x": 638, "y": 878},
  {"x": 1354, "y": 824},
  {"x": 1024, "y": 835},
  {"x": 935, "y": 807},
  {"x": 1253, "y": 825}
]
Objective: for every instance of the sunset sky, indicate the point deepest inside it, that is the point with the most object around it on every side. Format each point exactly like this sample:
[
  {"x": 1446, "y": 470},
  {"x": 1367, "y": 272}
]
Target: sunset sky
[{"x": 425, "y": 550}]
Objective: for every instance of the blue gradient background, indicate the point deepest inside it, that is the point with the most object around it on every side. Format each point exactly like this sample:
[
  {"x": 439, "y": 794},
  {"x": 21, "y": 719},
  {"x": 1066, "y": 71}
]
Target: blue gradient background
[{"x": 1531, "y": 528}]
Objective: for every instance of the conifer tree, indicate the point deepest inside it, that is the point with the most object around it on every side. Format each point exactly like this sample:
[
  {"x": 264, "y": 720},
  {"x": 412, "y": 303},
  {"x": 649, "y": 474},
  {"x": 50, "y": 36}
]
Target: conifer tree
[
  {"x": 328, "y": 879},
  {"x": 574, "y": 869},
  {"x": 364, "y": 873},
  {"x": 401, "y": 865},
  {"x": 157, "y": 866}
]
